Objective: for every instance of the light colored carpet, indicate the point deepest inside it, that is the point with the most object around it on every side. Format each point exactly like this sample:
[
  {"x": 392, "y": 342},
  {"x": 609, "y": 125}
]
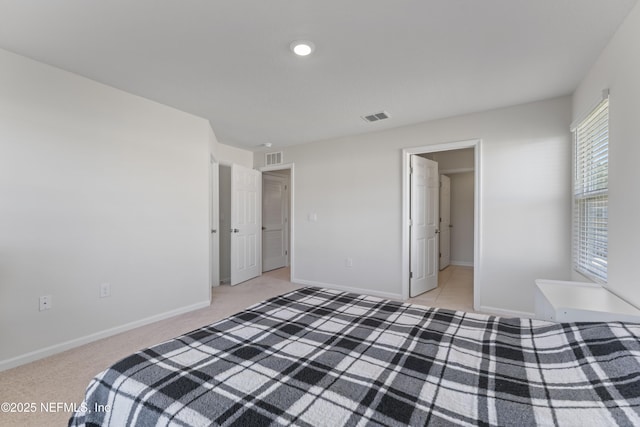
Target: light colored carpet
[{"x": 63, "y": 377}]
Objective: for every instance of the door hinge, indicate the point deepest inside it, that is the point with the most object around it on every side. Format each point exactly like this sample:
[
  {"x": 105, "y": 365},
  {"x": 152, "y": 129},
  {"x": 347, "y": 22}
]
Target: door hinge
[
  {"x": 285, "y": 187},
  {"x": 286, "y": 252},
  {"x": 411, "y": 275}
]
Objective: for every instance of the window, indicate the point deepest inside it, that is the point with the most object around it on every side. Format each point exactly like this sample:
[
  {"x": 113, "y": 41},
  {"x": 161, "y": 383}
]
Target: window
[{"x": 590, "y": 193}]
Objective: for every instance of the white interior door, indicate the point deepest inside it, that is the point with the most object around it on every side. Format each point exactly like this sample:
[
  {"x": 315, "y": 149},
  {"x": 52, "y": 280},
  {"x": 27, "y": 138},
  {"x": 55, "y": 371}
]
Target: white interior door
[
  {"x": 424, "y": 225},
  {"x": 445, "y": 221},
  {"x": 214, "y": 239},
  {"x": 246, "y": 213},
  {"x": 275, "y": 209}
]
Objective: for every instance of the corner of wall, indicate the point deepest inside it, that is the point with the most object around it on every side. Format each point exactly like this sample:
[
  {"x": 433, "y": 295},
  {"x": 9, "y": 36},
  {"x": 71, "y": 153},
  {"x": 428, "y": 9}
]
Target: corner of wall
[
  {"x": 230, "y": 154},
  {"x": 213, "y": 141}
]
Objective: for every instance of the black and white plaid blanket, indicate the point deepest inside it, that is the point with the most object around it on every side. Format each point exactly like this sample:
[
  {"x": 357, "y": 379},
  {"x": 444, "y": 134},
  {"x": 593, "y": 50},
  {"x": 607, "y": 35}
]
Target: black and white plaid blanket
[{"x": 316, "y": 357}]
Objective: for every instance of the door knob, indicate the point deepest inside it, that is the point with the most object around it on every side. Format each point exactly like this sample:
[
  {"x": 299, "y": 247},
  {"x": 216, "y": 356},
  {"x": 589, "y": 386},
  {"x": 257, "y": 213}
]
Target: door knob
[
  {"x": 214, "y": 231},
  {"x": 235, "y": 230},
  {"x": 437, "y": 231}
]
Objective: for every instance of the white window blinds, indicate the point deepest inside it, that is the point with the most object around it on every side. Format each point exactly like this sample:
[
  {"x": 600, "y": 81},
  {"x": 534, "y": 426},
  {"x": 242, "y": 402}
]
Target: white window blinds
[{"x": 590, "y": 194}]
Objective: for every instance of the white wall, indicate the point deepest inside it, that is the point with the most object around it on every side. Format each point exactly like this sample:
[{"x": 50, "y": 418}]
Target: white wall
[
  {"x": 228, "y": 154},
  {"x": 462, "y": 186},
  {"x": 354, "y": 185},
  {"x": 618, "y": 68},
  {"x": 96, "y": 185},
  {"x": 213, "y": 142}
]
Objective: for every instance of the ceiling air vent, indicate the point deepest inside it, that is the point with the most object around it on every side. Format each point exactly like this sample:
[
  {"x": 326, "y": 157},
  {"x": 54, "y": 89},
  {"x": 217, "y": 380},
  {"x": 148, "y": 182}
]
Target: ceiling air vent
[
  {"x": 375, "y": 117},
  {"x": 273, "y": 158}
]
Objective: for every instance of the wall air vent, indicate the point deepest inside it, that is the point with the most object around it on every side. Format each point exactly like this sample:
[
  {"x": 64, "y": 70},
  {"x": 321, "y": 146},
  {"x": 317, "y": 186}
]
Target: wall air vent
[
  {"x": 273, "y": 158},
  {"x": 375, "y": 117}
]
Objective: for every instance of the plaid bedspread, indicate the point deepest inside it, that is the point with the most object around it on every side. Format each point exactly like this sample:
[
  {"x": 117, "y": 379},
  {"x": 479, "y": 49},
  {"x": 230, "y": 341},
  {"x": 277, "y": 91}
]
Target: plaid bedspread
[{"x": 316, "y": 357}]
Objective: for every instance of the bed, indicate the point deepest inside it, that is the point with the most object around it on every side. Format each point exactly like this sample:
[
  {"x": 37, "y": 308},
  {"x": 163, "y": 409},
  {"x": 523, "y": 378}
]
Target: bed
[{"x": 318, "y": 357}]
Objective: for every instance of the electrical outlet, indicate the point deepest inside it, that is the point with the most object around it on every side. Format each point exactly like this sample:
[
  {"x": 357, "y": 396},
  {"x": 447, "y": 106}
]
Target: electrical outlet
[
  {"x": 349, "y": 262},
  {"x": 45, "y": 302},
  {"x": 105, "y": 290}
]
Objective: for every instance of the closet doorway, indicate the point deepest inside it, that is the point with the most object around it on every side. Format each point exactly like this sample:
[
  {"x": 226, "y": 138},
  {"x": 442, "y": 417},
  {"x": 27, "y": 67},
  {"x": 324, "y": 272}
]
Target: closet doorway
[
  {"x": 457, "y": 168},
  {"x": 278, "y": 219},
  {"x": 275, "y": 219}
]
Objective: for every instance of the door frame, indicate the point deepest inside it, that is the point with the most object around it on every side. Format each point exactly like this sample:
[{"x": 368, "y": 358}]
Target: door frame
[
  {"x": 442, "y": 228},
  {"x": 292, "y": 216},
  {"x": 214, "y": 224},
  {"x": 476, "y": 144}
]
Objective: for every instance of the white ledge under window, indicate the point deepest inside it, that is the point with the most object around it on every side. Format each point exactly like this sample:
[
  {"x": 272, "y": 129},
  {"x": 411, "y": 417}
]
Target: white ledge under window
[{"x": 562, "y": 301}]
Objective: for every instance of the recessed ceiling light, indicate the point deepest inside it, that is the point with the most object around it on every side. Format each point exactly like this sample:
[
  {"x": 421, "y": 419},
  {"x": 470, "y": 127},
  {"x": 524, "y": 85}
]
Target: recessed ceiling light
[{"x": 302, "y": 47}]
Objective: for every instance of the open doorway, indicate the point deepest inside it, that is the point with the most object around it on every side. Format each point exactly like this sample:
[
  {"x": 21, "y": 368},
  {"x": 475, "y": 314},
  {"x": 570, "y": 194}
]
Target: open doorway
[
  {"x": 275, "y": 238},
  {"x": 225, "y": 223},
  {"x": 441, "y": 219},
  {"x": 456, "y": 170},
  {"x": 277, "y": 221}
]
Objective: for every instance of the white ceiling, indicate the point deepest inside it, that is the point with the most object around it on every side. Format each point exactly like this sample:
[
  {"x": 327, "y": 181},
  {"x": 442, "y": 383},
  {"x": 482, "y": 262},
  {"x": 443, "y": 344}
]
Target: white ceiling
[{"x": 229, "y": 61}]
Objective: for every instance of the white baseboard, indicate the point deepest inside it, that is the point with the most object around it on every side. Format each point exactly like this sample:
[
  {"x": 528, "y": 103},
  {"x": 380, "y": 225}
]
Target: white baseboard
[
  {"x": 59, "y": 348},
  {"x": 506, "y": 313},
  {"x": 388, "y": 295},
  {"x": 462, "y": 263}
]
